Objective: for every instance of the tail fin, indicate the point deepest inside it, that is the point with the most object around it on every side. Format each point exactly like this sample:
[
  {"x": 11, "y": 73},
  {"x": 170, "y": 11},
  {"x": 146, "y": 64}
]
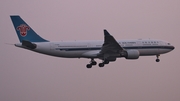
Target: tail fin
[{"x": 24, "y": 31}]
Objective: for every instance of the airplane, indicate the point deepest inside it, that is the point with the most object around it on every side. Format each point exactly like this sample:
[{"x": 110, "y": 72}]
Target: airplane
[{"x": 107, "y": 50}]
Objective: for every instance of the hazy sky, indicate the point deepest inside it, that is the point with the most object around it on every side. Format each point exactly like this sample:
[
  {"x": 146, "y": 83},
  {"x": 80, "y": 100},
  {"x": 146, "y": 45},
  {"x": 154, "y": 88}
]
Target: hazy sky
[{"x": 29, "y": 76}]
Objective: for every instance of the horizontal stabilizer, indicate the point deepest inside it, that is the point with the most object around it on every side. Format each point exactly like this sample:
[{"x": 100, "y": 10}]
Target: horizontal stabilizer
[{"x": 28, "y": 44}]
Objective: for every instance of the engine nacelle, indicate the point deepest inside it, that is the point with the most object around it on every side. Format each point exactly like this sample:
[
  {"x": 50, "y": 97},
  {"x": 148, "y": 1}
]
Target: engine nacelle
[{"x": 132, "y": 54}]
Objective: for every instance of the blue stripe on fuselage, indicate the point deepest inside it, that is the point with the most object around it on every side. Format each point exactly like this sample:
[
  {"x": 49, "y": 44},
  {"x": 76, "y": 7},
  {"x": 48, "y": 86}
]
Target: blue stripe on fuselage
[{"x": 99, "y": 48}]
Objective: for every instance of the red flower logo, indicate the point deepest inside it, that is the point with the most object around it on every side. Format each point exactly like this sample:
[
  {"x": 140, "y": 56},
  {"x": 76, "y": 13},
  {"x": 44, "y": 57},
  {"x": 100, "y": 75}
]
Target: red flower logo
[{"x": 23, "y": 29}]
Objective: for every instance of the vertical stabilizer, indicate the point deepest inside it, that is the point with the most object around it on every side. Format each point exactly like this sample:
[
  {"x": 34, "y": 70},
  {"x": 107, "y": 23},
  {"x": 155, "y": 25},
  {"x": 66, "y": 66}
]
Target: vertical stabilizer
[{"x": 24, "y": 31}]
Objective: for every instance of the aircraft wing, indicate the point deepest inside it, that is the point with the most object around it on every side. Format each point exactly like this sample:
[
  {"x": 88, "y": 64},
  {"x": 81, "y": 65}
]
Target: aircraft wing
[{"x": 110, "y": 46}]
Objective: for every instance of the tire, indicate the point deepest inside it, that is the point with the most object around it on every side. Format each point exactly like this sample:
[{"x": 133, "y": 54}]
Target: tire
[
  {"x": 89, "y": 66},
  {"x": 101, "y": 64},
  {"x": 93, "y": 62},
  {"x": 157, "y": 60}
]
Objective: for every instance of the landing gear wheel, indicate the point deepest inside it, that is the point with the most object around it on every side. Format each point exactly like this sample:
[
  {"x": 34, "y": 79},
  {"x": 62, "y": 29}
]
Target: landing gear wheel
[
  {"x": 93, "y": 62},
  {"x": 101, "y": 64},
  {"x": 157, "y": 60},
  {"x": 89, "y": 65},
  {"x": 106, "y": 62}
]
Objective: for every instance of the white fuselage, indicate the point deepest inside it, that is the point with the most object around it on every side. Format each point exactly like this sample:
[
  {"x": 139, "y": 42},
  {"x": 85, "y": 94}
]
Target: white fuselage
[{"x": 90, "y": 49}]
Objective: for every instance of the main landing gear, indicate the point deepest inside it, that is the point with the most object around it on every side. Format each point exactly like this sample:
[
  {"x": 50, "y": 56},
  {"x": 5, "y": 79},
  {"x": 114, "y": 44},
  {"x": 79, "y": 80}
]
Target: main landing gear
[
  {"x": 103, "y": 63},
  {"x": 157, "y": 60},
  {"x": 92, "y": 63}
]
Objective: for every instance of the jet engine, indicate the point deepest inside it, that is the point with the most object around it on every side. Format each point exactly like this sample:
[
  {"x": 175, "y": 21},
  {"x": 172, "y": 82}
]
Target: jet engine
[{"x": 132, "y": 54}]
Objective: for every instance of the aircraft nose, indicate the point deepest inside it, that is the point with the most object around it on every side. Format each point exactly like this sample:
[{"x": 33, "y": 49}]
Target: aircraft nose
[{"x": 173, "y": 47}]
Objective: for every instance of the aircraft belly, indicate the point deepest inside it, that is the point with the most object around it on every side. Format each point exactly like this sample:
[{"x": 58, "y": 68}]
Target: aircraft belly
[
  {"x": 162, "y": 51},
  {"x": 144, "y": 52},
  {"x": 68, "y": 54},
  {"x": 157, "y": 51}
]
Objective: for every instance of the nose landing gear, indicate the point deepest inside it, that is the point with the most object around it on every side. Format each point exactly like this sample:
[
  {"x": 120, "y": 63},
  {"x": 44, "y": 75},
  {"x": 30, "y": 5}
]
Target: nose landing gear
[{"x": 157, "y": 60}]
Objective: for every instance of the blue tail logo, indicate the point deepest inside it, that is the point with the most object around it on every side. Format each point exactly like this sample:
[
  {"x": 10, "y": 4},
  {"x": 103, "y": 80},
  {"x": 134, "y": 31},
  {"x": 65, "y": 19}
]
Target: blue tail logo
[{"x": 23, "y": 29}]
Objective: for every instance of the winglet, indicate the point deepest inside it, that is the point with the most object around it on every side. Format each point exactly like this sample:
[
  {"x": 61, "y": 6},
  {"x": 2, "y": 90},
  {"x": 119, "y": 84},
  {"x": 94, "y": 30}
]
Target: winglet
[{"x": 106, "y": 33}]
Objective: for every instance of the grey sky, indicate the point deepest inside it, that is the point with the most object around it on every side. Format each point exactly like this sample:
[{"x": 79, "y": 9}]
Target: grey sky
[{"x": 29, "y": 76}]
